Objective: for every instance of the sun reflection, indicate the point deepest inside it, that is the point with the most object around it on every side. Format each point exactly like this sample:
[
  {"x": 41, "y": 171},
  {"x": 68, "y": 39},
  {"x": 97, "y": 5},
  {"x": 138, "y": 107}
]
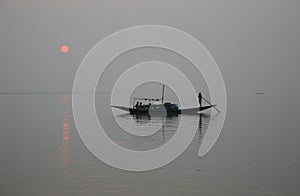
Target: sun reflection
[{"x": 65, "y": 142}]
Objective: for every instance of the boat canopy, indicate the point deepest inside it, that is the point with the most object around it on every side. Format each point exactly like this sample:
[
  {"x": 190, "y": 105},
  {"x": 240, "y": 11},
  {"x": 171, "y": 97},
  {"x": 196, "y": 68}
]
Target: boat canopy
[{"x": 147, "y": 99}]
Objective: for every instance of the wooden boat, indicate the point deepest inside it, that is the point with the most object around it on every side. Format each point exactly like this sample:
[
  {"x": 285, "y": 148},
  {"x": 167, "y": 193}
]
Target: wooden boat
[{"x": 158, "y": 107}]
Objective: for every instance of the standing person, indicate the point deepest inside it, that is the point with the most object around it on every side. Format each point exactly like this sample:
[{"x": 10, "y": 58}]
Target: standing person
[{"x": 200, "y": 100}]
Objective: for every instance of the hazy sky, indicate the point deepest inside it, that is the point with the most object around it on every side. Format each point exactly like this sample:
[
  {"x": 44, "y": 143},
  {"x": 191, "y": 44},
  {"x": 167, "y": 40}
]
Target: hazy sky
[{"x": 255, "y": 43}]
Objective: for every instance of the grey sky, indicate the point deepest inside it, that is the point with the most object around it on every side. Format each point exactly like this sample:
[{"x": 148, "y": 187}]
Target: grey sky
[{"x": 255, "y": 43}]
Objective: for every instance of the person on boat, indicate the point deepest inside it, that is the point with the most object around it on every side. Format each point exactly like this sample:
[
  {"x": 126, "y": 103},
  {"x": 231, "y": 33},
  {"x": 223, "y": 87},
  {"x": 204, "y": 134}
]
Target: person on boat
[
  {"x": 200, "y": 99},
  {"x": 137, "y": 104}
]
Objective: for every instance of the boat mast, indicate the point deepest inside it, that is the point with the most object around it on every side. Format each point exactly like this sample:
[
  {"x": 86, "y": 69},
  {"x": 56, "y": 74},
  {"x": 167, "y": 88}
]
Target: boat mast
[{"x": 163, "y": 94}]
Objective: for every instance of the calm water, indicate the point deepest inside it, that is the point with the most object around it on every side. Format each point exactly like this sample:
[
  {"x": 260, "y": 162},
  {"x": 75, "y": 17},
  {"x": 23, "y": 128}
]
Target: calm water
[{"x": 42, "y": 153}]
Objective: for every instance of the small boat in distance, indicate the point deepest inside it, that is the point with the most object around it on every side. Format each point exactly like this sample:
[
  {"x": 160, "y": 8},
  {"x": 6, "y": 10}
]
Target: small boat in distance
[{"x": 156, "y": 106}]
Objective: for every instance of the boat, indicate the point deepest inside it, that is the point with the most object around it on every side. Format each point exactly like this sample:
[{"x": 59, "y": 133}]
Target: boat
[{"x": 157, "y": 106}]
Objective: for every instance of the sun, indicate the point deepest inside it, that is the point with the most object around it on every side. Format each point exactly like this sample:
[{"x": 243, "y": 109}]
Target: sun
[{"x": 64, "y": 49}]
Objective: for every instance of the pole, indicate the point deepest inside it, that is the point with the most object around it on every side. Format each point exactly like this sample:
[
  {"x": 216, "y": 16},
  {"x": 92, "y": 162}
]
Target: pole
[
  {"x": 163, "y": 94},
  {"x": 211, "y": 104}
]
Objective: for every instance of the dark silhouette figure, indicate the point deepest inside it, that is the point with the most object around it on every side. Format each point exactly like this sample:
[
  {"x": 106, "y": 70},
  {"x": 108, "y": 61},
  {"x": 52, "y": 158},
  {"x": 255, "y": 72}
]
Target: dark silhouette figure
[
  {"x": 137, "y": 104},
  {"x": 200, "y": 100}
]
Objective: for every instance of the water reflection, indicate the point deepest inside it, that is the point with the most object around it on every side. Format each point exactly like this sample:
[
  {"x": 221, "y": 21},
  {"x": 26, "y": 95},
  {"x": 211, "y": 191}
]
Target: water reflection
[
  {"x": 65, "y": 143},
  {"x": 199, "y": 130},
  {"x": 170, "y": 123}
]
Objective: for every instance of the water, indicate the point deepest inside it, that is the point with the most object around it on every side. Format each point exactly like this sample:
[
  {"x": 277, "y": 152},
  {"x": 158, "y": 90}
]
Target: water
[{"x": 42, "y": 153}]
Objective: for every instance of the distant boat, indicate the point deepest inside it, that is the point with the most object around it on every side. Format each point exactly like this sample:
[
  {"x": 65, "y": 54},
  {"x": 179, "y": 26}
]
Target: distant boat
[
  {"x": 258, "y": 93},
  {"x": 156, "y": 106}
]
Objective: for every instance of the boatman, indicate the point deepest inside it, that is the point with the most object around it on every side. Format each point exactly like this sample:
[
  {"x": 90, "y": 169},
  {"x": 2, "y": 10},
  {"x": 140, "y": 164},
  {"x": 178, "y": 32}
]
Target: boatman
[{"x": 200, "y": 99}]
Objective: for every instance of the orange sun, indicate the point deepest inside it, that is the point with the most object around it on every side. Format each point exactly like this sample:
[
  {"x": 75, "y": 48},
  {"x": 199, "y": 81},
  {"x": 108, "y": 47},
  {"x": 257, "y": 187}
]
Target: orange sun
[{"x": 64, "y": 49}]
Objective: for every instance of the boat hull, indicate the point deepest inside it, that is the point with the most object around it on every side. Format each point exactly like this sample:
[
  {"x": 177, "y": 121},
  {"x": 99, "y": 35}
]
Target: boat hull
[
  {"x": 136, "y": 111},
  {"x": 160, "y": 112}
]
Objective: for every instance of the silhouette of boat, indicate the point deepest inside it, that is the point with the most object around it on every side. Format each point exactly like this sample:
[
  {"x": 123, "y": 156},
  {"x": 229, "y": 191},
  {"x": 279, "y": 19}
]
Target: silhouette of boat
[{"x": 157, "y": 107}]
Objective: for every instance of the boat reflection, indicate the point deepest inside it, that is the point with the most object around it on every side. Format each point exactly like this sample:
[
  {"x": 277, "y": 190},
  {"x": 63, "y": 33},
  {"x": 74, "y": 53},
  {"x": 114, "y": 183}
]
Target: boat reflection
[{"x": 170, "y": 123}]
